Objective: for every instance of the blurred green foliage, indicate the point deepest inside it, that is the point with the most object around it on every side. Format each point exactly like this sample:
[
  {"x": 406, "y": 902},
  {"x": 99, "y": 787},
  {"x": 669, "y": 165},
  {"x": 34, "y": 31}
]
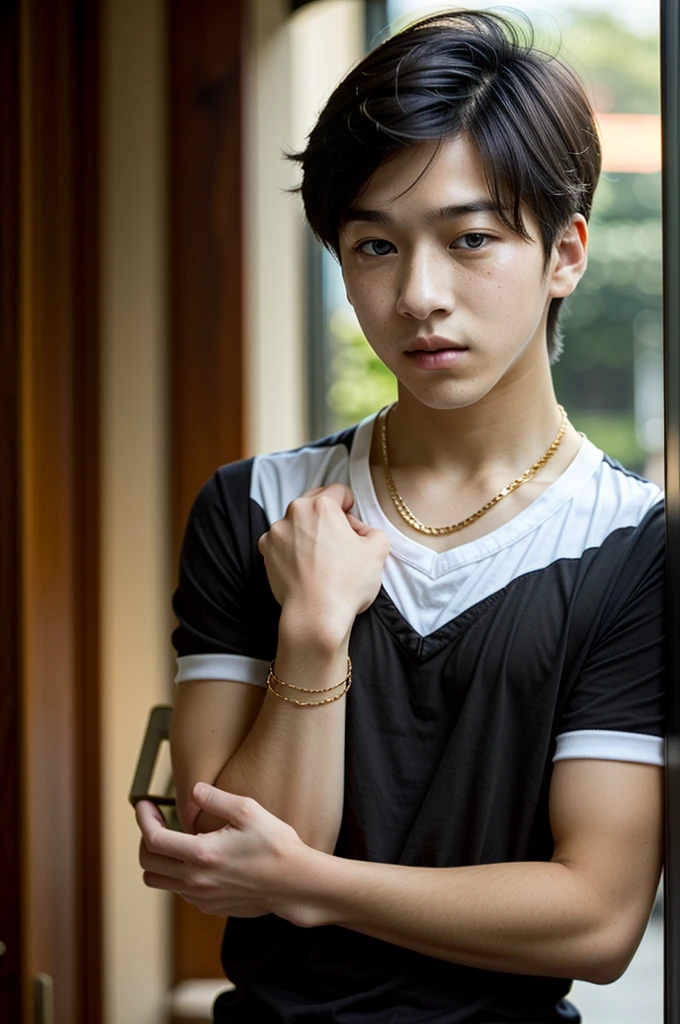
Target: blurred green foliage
[
  {"x": 619, "y": 67},
  {"x": 361, "y": 383},
  {"x": 616, "y": 311}
]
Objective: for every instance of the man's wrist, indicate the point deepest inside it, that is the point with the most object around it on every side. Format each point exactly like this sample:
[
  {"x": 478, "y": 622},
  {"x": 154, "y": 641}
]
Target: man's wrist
[
  {"x": 317, "y": 631},
  {"x": 307, "y": 874}
]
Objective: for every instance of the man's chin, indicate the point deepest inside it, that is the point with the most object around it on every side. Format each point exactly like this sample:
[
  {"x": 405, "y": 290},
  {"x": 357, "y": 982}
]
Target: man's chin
[{"x": 444, "y": 396}]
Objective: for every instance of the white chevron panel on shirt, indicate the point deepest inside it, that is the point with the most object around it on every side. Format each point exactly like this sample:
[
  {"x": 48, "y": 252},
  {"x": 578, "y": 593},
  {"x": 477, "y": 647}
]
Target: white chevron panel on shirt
[{"x": 586, "y": 503}]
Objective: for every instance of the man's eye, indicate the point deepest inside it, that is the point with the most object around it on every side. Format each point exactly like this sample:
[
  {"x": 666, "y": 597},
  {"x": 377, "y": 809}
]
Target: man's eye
[
  {"x": 378, "y": 247},
  {"x": 474, "y": 240}
]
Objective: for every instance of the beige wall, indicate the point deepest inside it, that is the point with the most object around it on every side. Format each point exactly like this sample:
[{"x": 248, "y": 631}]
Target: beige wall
[
  {"x": 293, "y": 63},
  {"x": 327, "y": 39},
  {"x": 273, "y": 239},
  {"x": 135, "y": 583}
]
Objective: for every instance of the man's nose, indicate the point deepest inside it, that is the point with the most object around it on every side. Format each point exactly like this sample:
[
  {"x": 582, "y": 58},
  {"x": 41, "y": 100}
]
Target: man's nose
[{"x": 426, "y": 285}]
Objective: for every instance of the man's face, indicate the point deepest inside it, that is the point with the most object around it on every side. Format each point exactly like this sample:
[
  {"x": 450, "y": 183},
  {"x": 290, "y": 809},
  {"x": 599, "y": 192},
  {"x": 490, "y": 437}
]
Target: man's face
[{"x": 450, "y": 299}]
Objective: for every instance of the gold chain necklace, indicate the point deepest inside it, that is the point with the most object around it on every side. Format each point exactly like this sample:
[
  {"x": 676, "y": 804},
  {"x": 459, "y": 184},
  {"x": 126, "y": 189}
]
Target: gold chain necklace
[{"x": 443, "y": 531}]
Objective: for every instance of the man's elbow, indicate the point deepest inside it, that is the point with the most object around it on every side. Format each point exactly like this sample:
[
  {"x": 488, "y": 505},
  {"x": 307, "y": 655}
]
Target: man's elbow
[
  {"x": 610, "y": 955},
  {"x": 187, "y": 813}
]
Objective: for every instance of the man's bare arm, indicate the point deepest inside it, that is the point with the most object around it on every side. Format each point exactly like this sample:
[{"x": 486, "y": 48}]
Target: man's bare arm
[
  {"x": 245, "y": 740},
  {"x": 324, "y": 567},
  {"x": 581, "y": 915}
]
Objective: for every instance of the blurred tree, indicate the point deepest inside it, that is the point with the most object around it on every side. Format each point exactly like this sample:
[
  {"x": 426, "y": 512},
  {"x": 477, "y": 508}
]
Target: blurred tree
[
  {"x": 618, "y": 66},
  {"x": 614, "y": 316},
  {"x": 361, "y": 383}
]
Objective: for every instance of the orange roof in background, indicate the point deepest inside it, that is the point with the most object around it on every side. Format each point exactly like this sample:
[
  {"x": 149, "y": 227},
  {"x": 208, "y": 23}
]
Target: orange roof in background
[{"x": 630, "y": 142}]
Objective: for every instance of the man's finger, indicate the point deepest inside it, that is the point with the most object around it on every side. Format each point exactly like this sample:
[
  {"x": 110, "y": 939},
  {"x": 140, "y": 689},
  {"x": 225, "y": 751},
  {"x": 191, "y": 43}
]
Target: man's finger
[
  {"x": 364, "y": 530},
  {"x": 338, "y": 492},
  {"x": 149, "y": 811},
  {"x": 228, "y": 806},
  {"x": 156, "y": 881},
  {"x": 160, "y": 864},
  {"x": 160, "y": 839}
]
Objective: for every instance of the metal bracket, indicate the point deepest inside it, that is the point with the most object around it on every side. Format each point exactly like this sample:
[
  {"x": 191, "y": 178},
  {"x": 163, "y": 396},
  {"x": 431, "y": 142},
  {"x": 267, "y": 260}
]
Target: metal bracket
[
  {"x": 43, "y": 999},
  {"x": 157, "y": 731}
]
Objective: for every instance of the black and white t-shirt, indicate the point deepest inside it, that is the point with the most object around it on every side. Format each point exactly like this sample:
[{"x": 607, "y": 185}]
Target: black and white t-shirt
[{"x": 474, "y": 670}]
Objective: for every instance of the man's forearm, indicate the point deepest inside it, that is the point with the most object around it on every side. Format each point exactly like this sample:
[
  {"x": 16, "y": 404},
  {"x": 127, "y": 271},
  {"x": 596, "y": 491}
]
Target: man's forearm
[
  {"x": 526, "y": 918},
  {"x": 292, "y": 760}
]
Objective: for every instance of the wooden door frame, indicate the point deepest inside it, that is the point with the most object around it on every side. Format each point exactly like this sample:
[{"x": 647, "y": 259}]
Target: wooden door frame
[
  {"x": 205, "y": 88},
  {"x": 50, "y": 858},
  {"x": 10, "y": 584}
]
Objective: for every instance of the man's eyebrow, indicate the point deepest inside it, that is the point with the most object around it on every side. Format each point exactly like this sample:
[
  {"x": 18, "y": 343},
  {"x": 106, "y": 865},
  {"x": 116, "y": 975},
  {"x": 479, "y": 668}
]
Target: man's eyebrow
[
  {"x": 462, "y": 210},
  {"x": 444, "y": 213}
]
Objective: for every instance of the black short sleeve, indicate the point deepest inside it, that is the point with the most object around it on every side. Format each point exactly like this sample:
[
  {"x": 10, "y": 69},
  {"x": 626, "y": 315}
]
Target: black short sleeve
[
  {"x": 223, "y": 603},
  {"x": 620, "y": 686}
]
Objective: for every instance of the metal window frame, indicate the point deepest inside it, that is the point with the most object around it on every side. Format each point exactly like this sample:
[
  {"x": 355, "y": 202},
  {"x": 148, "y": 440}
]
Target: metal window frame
[{"x": 670, "y": 116}]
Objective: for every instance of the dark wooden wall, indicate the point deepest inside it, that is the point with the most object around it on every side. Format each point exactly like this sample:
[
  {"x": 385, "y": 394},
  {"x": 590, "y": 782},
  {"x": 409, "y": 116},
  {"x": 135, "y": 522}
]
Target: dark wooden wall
[
  {"x": 49, "y": 693},
  {"x": 10, "y": 588},
  {"x": 206, "y": 301}
]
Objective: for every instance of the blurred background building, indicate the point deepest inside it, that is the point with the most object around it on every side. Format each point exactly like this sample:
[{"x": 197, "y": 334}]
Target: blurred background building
[{"x": 163, "y": 309}]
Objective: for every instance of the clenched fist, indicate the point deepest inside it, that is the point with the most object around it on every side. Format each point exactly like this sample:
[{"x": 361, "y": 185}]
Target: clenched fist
[{"x": 324, "y": 565}]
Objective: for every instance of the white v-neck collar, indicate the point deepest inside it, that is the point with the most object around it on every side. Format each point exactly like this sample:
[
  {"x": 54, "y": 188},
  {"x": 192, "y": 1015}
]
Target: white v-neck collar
[{"x": 434, "y": 563}]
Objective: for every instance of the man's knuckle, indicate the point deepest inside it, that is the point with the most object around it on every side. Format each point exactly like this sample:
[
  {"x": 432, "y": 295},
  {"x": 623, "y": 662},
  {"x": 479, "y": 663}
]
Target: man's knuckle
[
  {"x": 324, "y": 503},
  {"x": 248, "y": 808},
  {"x": 153, "y": 845},
  {"x": 199, "y": 883},
  {"x": 276, "y": 532},
  {"x": 204, "y": 856}
]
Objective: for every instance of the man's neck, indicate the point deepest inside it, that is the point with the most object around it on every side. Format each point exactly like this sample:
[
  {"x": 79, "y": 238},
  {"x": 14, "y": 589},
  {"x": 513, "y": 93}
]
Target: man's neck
[
  {"x": 448, "y": 463},
  {"x": 504, "y": 429}
]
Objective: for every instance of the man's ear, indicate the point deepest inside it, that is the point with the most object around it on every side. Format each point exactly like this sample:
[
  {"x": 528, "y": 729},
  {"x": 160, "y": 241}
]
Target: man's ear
[{"x": 569, "y": 259}]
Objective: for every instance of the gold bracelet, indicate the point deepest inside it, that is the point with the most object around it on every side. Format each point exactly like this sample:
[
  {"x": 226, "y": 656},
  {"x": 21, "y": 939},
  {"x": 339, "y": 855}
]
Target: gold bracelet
[
  {"x": 309, "y": 703},
  {"x": 304, "y": 689}
]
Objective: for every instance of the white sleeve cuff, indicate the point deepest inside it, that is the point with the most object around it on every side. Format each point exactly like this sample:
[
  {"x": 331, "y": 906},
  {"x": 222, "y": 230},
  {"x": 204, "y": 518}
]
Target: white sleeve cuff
[
  {"x": 609, "y": 745},
  {"x": 235, "y": 668}
]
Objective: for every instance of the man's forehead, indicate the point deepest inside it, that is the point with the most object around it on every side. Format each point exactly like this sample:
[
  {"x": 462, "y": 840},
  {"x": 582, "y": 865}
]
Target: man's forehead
[{"x": 442, "y": 181}]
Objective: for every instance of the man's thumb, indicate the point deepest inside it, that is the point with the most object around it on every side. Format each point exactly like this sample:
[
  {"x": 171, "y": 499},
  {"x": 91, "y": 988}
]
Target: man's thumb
[{"x": 215, "y": 801}]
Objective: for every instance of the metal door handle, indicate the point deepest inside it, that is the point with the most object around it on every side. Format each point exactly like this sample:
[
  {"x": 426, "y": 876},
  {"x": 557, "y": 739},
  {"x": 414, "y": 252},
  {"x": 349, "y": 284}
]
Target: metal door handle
[
  {"x": 157, "y": 731},
  {"x": 43, "y": 999}
]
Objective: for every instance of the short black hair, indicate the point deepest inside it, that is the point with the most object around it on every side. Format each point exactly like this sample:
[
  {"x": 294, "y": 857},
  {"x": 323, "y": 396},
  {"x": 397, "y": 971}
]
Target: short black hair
[{"x": 473, "y": 72}]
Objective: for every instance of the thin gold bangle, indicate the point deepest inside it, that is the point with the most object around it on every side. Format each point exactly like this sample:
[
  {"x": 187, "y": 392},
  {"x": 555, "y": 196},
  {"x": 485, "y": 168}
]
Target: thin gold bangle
[
  {"x": 305, "y": 689},
  {"x": 308, "y": 703}
]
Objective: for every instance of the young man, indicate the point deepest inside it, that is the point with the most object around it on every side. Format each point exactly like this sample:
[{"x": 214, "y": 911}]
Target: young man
[{"x": 479, "y": 819}]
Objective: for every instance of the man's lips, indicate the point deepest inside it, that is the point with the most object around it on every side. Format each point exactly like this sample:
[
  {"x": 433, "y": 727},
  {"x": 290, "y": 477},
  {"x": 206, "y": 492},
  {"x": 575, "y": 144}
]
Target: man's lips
[
  {"x": 435, "y": 353},
  {"x": 434, "y": 343}
]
